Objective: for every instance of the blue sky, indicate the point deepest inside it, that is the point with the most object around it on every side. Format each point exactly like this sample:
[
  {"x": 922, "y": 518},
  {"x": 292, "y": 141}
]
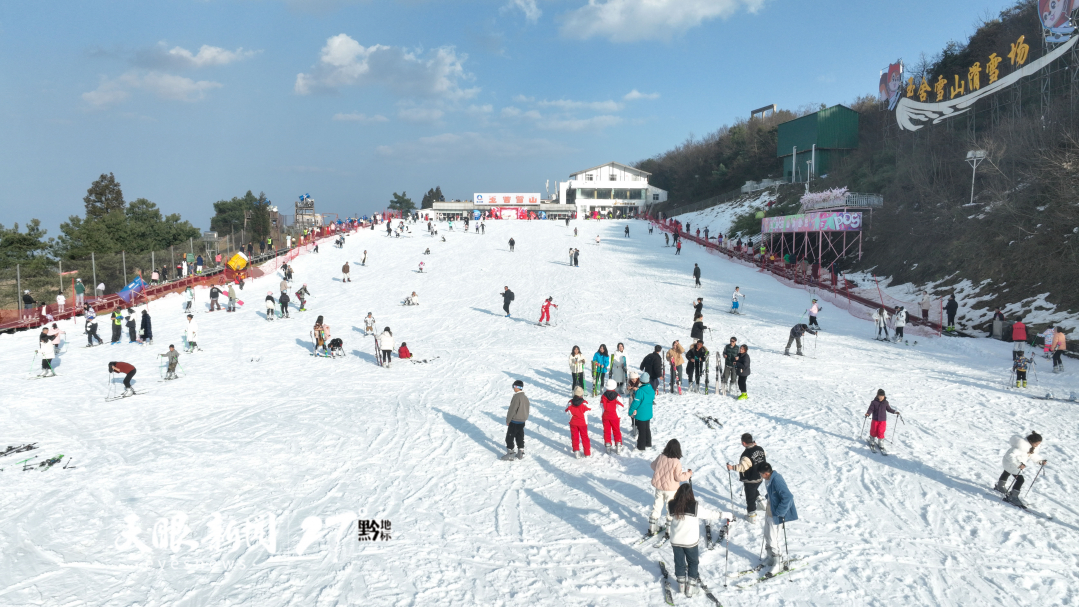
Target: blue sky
[{"x": 191, "y": 102}]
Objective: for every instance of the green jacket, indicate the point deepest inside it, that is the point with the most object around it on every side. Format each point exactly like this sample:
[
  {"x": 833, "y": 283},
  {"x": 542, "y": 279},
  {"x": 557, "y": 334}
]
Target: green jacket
[
  {"x": 79, "y": 288},
  {"x": 729, "y": 352}
]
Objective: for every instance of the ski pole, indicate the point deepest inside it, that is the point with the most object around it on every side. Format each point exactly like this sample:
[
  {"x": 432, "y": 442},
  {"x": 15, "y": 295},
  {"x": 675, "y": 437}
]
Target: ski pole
[
  {"x": 861, "y": 432},
  {"x": 786, "y": 564},
  {"x": 1040, "y": 468},
  {"x": 727, "y": 550},
  {"x": 896, "y": 428},
  {"x": 730, "y": 484}
]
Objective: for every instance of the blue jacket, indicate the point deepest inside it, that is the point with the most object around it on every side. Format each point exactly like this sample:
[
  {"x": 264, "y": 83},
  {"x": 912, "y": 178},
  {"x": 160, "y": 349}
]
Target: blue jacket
[
  {"x": 602, "y": 362},
  {"x": 781, "y": 500},
  {"x": 642, "y": 403}
]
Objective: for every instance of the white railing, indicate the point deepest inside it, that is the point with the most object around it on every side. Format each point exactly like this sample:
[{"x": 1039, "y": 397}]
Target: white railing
[{"x": 850, "y": 200}]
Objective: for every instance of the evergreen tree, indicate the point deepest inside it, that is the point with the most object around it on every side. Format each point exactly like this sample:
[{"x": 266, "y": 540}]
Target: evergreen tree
[
  {"x": 401, "y": 202},
  {"x": 103, "y": 197}
]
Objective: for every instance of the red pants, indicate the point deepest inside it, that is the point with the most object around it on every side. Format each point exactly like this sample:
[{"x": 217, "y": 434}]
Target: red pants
[
  {"x": 578, "y": 435},
  {"x": 611, "y": 426},
  {"x": 545, "y": 314},
  {"x": 878, "y": 429}
]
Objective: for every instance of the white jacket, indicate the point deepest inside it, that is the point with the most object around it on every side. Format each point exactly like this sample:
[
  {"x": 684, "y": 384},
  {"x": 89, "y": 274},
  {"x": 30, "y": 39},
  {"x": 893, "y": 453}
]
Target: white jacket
[
  {"x": 192, "y": 330},
  {"x": 1018, "y": 455},
  {"x": 385, "y": 341},
  {"x": 901, "y": 318},
  {"x": 369, "y": 321},
  {"x": 926, "y": 303},
  {"x": 414, "y": 300},
  {"x": 61, "y": 300},
  {"x": 686, "y": 532},
  {"x": 881, "y": 318},
  {"x": 577, "y": 363},
  {"x": 738, "y": 294},
  {"x": 46, "y": 350},
  {"x": 814, "y": 310}
]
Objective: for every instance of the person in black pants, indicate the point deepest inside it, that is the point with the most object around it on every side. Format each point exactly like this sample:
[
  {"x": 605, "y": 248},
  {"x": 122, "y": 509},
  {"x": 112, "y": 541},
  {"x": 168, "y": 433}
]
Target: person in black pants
[
  {"x": 515, "y": 422},
  {"x": 653, "y": 365},
  {"x": 117, "y": 326},
  {"x": 511, "y": 243},
  {"x": 951, "y": 308},
  {"x": 128, "y": 370},
  {"x": 697, "y": 274},
  {"x": 741, "y": 367},
  {"x": 507, "y": 297},
  {"x": 752, "y": 456}
]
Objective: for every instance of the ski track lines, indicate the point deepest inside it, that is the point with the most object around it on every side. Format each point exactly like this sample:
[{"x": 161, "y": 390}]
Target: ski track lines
[{"x": 259, "y": 426}]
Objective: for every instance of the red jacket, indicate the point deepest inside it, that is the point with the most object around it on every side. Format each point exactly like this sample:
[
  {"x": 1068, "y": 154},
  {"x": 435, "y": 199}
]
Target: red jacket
[
  {"x": 610, "y": 403},
  {"x": 577, "y": 410},
  {"x": 403, "y": 352},
  {"x": 122, "y": 368},
  {"x": 1019, "y": 332},
  {"x": 547, "y": 305}
]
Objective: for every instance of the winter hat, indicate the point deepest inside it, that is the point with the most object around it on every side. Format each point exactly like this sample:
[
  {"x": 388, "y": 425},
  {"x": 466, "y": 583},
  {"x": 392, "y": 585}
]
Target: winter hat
[
  {"x": 578, "y": 391},
  {"x": 269, "y": 292},
  {"x": 518, "y": 384},
  {"x": 645, "y": 378},
  {"x": 880, "y": 392},
  {"x": 611, "y": 384},
  {"x": 634, "y": 375}
]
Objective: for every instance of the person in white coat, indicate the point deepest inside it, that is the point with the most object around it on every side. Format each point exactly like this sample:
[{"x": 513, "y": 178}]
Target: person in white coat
[
  {"x": 412, "y": 300},
  {"x": 189, "y": 299},
  {"x": 1015, "y": 461},
  {"x": 191, "y": 334},
  {"x": 813, "y": 311},
  {"x": 900, "y": 322},
  {"x": 618, "y": 368},
  {"x": 577, "y": 361},
  {"x": 60, "y": 302},
  {"x": 686, "y": 516},
  {"x": 47, "y": 352},
  {"x": 925, "y": 304},
  {"x": 880, "y": 317},
  {"x": 386, "y": 344}
]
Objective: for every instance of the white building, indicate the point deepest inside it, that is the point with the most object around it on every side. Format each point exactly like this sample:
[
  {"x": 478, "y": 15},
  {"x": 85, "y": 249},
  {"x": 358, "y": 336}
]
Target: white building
[{"x": 611, "y": 187}]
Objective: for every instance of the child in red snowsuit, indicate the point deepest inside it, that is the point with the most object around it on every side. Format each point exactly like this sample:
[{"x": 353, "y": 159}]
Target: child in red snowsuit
[
  {"x": 545, "y": 311},
  {"x": 611, "y": 424},
  {"x": 578, "y": 423},
  {"x": 879, "y": 409}
]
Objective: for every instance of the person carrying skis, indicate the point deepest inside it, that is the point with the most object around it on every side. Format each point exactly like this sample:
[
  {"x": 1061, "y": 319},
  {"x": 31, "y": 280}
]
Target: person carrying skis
[
  {"x": 128, "y": 370},
  {"x": 302, "y": 295},
  {"x": 369, "y": 324},
  {"x": 730, "y": 354},
  {"x": 516, "y": 417},
  {"x": 507, "y": 297},
  {"x": 686, "y": 514},
  {"x": 667, "y": 475},
  {"x": 271, "y": 305},
  {"x": 386, "y": 344},
  {"x": 951, "y": 308},
  {"x": 696, "y": 359},
  {"x": 191, "y": 333},
  {"x": 741, "y": 366},
  {"x": 697, "y": 275},
  {"x": 47, "y": 352},
  {"x": 878, "y": 427},
  {"x": 900, "y": 322},
  {"x": 640, "y": 411},
  {"x": 813, "y": 311},
  {"x": 1020, "y": 365},
  {"x": 578, "y": 423},
  {"x": 779, "y": 512},
  {"x": 545, "y": 310},
  {"x": 752, "y": 457},
  {"x": 797, "y": 331},
  {"x": 146, "y": 328},
  {"x": 653, "y": 366},
  {"x": 601, "y": 360},
  {"x": 283, "y": 300},
  {"x": 1015, "y": 461},
  {"x": 880, "y": 317},
  {"x": 612, "y": 431},
  {"x": 734, "y": 300},
  {"x": 618, "y": 367},
  {"x": 344, "y": 273},
  {"x": 215, "y": 292},
  {"x": 173, "y": 358},
  {"x": 675, "y": 357}
]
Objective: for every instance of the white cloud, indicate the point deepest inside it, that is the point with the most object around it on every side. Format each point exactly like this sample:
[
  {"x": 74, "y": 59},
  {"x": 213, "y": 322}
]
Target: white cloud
[
  {"x": 515, "y": 112},
  {"x": 635, "y": 20},
  {"x": 594, "y": 123},
  {"x": 420, "y": 114},
  {"x": 363, "y": 118},
  {"x": 635, "y": 94},
  {"x": 438, "y": 73},
  {"x": 528, "y": 7},
  {"x": 566, "y": 105},
  {"x": 165, "y": 86},
  {"x": 480, "y": 109},
  {"x": 454, "y": 146},
  {"x": 162, "y": 57}
]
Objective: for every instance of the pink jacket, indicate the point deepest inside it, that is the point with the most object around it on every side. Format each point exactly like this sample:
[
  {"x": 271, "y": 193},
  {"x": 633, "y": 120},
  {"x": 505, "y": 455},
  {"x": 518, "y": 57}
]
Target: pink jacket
[
  {"x": 1059, "y": 342},
  {"x": 668, "y": 473}
]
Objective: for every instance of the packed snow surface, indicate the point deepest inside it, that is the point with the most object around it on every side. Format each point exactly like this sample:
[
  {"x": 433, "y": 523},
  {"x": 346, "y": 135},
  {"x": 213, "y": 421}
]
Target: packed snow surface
[{"x": 243, "y": 482}]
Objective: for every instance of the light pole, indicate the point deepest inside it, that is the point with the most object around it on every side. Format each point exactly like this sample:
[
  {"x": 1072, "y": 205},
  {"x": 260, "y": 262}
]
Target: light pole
[{"x": 974, "y": 158}]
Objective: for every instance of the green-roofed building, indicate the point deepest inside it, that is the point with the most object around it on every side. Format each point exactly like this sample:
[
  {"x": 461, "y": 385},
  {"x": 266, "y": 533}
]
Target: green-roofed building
[{"x": 834, "y": 132}]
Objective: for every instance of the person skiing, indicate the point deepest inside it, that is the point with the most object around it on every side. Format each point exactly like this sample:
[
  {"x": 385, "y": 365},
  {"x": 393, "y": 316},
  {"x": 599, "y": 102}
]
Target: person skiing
[
  {"x": 516, "y": 417},
  {"x": 545, "y": 310},
  {"x": 813, "y": 311},
  {"x": 779, "y": 512},
  {"x": 696, "y": 359},
  {"x": 386, "y": 344},
  {"x": 900, "y": 322},
  {"x": 271, "y": 305},
  {"x": 753, "y": 455},
  {"x": 678, "y": 246},
  {"x": 233, "y": 298},
  {"x": 369, "y": 324},
  {"x": 344, "y": 273},
  {"x": 597, "y": 239},
  {"x": 189, "y": 299},
  {"x": 1020, "y": 365},
  {"x": 578, "y": 424},
  {"x": 173, "y": 358},
  {"x": 666, "y": 240},
  {"x": 653, "y": 366},
  {"x": 676, "y": 359},
  {"x": 612, "y": 431},
  {"x": 951, "y": 308},
  {"x": 730, "y": 354},
  {"x": 697, "y": 275},
  {"x": 1060, "y": 345},
  {"x": 667, "y": 475},
  {"x": 1019, "y": 334},
  {"x": 1014, "y": 462},
  {"x": 640, "y": 411},
  {"x": 512, "y": 243},
  {"x": 146, "y": 327},
  {"x": 191, "y": 332},
  {"x": 576, "y": 368},
  {"x": 878, "y": 427},
  {"x": 575, "y": 232},
  {"x": 215, "y": 292},
  {"x": 321, "y": 334},
  {"x": 797, "y": 331},
  {"x": 117, "y": 326},
  {"x": 741, "y": 366},
  {"x": 47, "y": 352},
  {"x": 128, "y": 370},
  {"x": 734, "y": 300},
  {"x": 601, "y": 360},
  {"x": 686, "y": 514},
  {"x": 507, "y": 297},
  {"x": 91, "y": 327},
  {"x": 618, "y": 367},
  {"x": 880, "y": 317}
]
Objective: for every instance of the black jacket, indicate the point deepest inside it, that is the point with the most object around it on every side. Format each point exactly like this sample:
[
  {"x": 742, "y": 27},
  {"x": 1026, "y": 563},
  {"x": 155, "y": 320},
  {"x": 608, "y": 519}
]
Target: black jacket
[
  {"x": 800, "y": 330},
  {"x": 952, "y": 306},
  {"x": 284, "y": 299},
  {"x": 697, "y": 356},
  {"x": 757, "y": 456},
  {"x": 697, "y": 332},
  {"x": 507, "y": 297},
  {"x": 147, "y": 329},
  {"x": 696, "y": 271},
  {"x": 742, "y": 365},
  {"x": 653, "y": 365},
  {"x": 26, "y": 299},
  {"x": 698, "y": 309},
  {"x": 215, "y": 292}
]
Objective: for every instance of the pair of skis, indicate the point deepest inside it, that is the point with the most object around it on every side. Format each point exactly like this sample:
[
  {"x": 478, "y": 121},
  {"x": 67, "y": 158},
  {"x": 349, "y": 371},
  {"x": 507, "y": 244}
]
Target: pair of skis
[
  {"x": 668, "y": 594},
  {"x": 711, "y": 422}
]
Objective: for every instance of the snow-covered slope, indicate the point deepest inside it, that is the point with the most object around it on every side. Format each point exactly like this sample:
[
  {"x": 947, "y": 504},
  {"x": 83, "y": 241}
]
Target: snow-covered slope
[{"x": 175, "y": 490}]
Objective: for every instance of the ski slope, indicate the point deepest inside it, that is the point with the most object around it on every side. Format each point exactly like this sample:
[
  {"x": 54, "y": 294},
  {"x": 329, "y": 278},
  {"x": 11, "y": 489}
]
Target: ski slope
[{"x": 242, "y": 482}]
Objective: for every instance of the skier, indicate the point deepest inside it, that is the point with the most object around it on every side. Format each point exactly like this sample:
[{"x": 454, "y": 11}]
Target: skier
[
  {"x": 189, "y": 299},
  {"x": 173, "y": 358},
  {"x": 516, "y": 417},
  {"x": 666, "y": 240},
  {"x": 385, "y": 343},
  {"x": 576, "y": 368},
  {"x": 653, "y": 366},
  {"x": 215, "y": 292},
  {"x": 878, "y": 427},
  {"x": 741, "y": 366},
  {"x": 117, "y": 326},
  {"x": 369, "y": 324},
  {"x": 618, "y": 367},
  {"x": 344, "y": 273},
  {"x": 128, "y": 370},
  {"x": 571, "y": 256},
  {"x": 1047, "y": 341},
  {"x": 813, "y": 311},
  {"x": 696, "y": 359},
  {"x": 676, "y": 359},
  {"x": 283, "y": 300},
  {"x": 780, "y": 511},
  {"x": 730, "y": 354},
  {"x": 321, "y": 333},
  {"x": 880, "y": 317},
  {"x": 412, "y": 300},
  {"x": 667, "y": 475},
  {"x": 697, "y": 275},
  {"x": 797, "y": 331},
  {"x": 1020, "y": 366},
  {"x": 601, "y": 360},
  {"x": 507, "y": 297},
  {"x": 271, "y": 304},
  {"x": 752, "y": 457},
  {"x": 1060, "y": 344},
  {"x": 288, "y": 273},
  {"x": 191, "y": 332},
  {"x": 47, "y": 352},
  {"x": 233, "y": 298},
  {"x": 146, "y": 327},
  {"x": 363, "y": 261},
  {"x": 511, "y": 245},
  {"x": 612, "y": 431},
  {"x": 678, "y": 247},
  {"x": 900, "y": 322},
  {"x": 951, "y": 308},
  {"x": 300, "y": 295},
  {"x": 734, "y": 300},
  {"x": 91, "y": 327},
  {"x": 420, "y": 270},
  {"x": 575, "y": 232},
  {"x": 1019, "y": 334},
  {"x": 545, "y": 311},
  {"x": 578, "y": 423},
  {"x": 640, "y": 411},
  {"x": 626, "y": 231},
  {"x": 686, "y": 514},
  {"x": 1015, "y": 461}
]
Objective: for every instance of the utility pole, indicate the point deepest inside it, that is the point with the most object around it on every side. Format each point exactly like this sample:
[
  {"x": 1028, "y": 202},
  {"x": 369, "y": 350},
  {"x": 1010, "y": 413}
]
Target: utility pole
[{"x": 974, "y": 158}]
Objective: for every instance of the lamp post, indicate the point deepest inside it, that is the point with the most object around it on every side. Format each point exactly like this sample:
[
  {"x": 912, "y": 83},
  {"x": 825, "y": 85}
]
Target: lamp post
[{"x": 974, "y": 158}]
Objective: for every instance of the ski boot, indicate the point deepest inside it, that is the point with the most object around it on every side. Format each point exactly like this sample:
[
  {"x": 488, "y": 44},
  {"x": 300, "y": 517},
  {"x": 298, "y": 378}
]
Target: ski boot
[
  {"x": 880, "y": 446},
  {"x": 577, "y": 454},
  {"x": 520, "y": 454},
  {"x": 509, "y": 456},
  {"x": 744, "y": 396},
  {"x": 693, "y": 587},
  {"x": 1024, "y": 383},
  {"x": 786, "y": 352},
  {"x": 618, "y": 448},
  {"x": 1000, "y": 487},
  {"x": 608, "y": 445},
  {"x": 129, "y": 392},
  {"x": 1013, "y": 499},
  {"x": 752, "y": 517},
  {"x": 653, "y": 526},
  {"x": 799, "y": 353}
]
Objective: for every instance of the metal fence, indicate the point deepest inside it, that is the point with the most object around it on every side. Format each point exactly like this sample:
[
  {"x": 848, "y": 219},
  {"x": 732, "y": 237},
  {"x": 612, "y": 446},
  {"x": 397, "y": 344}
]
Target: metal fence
[{"x": 850, "y": 200}]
